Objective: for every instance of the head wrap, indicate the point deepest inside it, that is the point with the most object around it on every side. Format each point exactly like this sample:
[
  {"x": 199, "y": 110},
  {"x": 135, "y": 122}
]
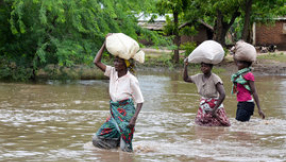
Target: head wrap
[
  {"x": 127, "y": 63},
  {"x": 130, "y": 65}
]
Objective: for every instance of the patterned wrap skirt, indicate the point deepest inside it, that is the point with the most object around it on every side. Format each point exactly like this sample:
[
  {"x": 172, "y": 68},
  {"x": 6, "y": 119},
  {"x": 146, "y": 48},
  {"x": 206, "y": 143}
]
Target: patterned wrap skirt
[
  {"x": 204, "y": 118},
  {"x": 114, "y": 132}
]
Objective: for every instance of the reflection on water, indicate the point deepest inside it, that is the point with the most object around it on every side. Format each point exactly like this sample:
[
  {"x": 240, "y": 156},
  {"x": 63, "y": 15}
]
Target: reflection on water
[{"x": 55, "y": 122}]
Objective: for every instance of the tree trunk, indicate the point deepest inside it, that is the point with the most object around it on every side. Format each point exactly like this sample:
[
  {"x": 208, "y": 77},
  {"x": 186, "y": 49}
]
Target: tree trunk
[
  {"x": 246, "y": 25},
  {"x": 219, "y": 35},
  {"x": 250, "y": 34},
  {"x": 221, "y": 27},
  {"x": 177, "y": 40}
]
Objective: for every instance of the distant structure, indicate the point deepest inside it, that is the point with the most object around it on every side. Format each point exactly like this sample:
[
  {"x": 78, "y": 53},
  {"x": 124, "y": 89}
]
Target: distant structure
[
  {"x": 205, "y": 31},
  {"x": 270, "y": 35}
]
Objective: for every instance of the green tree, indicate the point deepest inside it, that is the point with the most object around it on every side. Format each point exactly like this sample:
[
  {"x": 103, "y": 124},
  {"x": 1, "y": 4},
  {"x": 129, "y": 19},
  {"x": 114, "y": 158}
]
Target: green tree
[
  {"x": 36, "y": 33},
  {"x": 177, "y": 9},
  {"x": 261, "y": 10},
  {"x": 221, "y": 13}
]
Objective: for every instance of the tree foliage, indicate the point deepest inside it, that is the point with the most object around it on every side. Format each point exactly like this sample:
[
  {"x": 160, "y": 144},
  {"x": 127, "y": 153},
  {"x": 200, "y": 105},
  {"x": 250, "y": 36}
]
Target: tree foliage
[
  {"x": 35, "y": 33},
  {"x": 263, "y": 11},
  {"x": 222, "y": 14},
  {"x": 177, "y": 8}
]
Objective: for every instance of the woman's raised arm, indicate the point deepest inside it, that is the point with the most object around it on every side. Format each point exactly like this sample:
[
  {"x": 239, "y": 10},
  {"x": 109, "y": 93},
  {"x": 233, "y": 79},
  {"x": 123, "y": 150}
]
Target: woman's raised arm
[
  {"x": 185, "y": 75},
  {"x": 97, "y": 59}
]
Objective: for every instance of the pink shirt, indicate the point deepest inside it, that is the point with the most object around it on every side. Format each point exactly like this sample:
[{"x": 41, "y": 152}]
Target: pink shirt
[
  {"x": 124, "y": 87},
  {"x": 243, "y": 94}
]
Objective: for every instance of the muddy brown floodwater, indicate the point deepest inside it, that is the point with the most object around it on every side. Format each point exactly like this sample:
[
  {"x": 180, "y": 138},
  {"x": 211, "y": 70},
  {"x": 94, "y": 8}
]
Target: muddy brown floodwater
[{"x": 51, "y": 121}]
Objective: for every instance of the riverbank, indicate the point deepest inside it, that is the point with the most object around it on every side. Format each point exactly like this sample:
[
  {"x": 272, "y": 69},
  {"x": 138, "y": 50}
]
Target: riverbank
[
  {"x": 267, "y": 63},
  {"x": 161, "y": 61}
]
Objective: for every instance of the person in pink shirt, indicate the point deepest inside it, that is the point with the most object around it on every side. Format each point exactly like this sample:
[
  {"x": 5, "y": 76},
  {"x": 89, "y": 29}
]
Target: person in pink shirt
[
  {"x": 124, "y": 90},
  {"x": 244, "y": 87}
]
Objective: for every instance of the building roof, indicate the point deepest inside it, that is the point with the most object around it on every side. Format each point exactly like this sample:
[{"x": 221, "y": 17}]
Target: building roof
[
  {"x": 159, "y": 25},
  {"x": 280, "y": 18},
  {"x": 274, "y": 18},
  {"x": 160, "y": 21},
  {"x": 206, "y": 25},
  {"x": 146, "y": 17}
]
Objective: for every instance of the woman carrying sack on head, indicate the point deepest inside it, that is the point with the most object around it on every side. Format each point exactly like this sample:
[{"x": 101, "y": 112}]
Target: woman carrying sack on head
[
  {"x": 211, "y": 111},
  {"x": 124, "y": 88}
]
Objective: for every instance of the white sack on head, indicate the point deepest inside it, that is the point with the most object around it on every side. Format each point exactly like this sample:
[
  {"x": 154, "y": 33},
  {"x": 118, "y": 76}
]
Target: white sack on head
[
  {"x": 121, "y": 45},
  {"x": 244, "y": 51},
  {"x": 140, "y": 57},
  {"x": 210, "y": 52}
]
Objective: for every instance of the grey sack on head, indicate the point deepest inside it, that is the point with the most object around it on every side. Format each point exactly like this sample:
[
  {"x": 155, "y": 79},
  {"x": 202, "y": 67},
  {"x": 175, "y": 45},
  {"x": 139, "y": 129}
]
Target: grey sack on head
[{"x": 245, "y": 52}]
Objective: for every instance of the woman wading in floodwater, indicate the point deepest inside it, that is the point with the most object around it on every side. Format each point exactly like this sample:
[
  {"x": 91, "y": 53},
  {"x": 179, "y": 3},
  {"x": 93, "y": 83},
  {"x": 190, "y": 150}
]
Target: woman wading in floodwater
[
  {"x": 211, "y": 111},
  {"x": 124, "y": 88}
]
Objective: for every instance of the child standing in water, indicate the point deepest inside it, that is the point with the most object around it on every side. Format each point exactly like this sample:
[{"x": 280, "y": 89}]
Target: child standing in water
[{"x": 244, "y": 87}]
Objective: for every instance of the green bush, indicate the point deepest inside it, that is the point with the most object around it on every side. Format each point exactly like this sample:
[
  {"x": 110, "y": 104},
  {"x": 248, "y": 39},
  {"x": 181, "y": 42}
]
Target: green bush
[
  {"x": 188, "y": 47},
  {"x": 226, "y": 52},
  {"x": 37, "y": 33}
]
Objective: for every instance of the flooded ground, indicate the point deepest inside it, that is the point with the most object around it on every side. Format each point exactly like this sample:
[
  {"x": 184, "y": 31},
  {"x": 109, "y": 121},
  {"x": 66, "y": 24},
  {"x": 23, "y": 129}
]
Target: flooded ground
[{"x": 55, "y": 122}]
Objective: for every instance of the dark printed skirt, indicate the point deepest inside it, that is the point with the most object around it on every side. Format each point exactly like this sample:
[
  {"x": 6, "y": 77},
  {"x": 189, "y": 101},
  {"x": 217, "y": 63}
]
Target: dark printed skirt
[
  {"x": 114, "y": 132},
  {"x": 204, "y": 118}
]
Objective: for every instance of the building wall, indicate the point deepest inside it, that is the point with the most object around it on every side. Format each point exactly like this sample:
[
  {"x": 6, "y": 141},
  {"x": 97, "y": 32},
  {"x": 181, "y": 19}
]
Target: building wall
[
  {"x": 201, "y": 36},
  {"x": 271, "y": 34}
]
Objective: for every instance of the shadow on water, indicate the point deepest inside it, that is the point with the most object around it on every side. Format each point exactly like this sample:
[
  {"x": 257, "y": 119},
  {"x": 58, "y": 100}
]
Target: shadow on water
[{"x": 52, "y": 121}]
